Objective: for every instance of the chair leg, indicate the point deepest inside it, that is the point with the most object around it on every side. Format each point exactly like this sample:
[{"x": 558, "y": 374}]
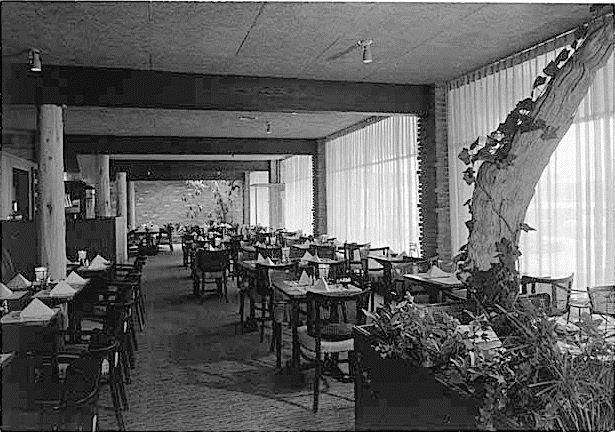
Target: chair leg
[
  {"x": 241, "y": 309},
  {"x": 317, "y": 373},
  {"x": 263, "y": 311},
  {"x": 116, "y": 407},
  {"x": 278, "y": 344}
]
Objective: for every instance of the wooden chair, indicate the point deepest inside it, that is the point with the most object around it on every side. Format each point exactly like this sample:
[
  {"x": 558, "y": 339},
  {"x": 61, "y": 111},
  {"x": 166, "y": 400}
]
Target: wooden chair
[
  {"x": 187, "y": 243},
  {"x": 329, "y": 330},
  {"x": 602, "y": 301},
  {"x": 559, "y": 289},
  {"x": 323, "y": 251},
  {"x": 211, "y": 266},
  {"x": 275, "y": 253},
  {"x": 540, "y": 302}
]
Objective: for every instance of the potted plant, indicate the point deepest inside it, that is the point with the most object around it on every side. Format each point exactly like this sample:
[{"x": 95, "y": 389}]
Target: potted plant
[{"x": 399, "y": 358}]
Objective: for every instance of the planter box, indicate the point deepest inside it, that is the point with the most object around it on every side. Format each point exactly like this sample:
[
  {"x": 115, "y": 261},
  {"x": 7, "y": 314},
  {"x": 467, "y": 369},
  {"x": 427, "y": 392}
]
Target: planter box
[{"x": 391, "y": 395}]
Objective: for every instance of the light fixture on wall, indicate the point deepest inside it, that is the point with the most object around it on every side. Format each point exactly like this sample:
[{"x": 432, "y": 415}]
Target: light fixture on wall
[
  {"x": 34, "y": 60},
  {"x": 268, "y": 128},
  {"x": 367, "y": 50}
]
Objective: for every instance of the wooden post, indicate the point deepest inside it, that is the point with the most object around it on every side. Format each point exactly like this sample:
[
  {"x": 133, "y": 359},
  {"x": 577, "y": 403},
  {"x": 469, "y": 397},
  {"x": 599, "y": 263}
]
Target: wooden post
[
  {"x": 132, "y": 216},
  {"x": 103, "y": 187},
  {"x": 51, "y": 222},
  {"x": 121, "y": 196}
]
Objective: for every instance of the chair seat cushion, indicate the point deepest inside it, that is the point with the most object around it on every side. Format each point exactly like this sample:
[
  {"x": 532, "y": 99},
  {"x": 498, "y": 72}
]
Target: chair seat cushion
[{"x": 307, "y": 341}]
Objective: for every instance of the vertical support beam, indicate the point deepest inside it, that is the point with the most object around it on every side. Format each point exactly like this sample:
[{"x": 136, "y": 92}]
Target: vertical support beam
[
  {"x": 51, "y": 222},
  {"x": 276, "y": 213},
  {"x": 103, "y": 186},
  {"x": 95, "y": 171},
  {"x": 246, "y": 198},
  {"x": 121, "y": 195},
  {"x": 319, "y": 180},
  {"x": 132, "y": 206},
  {"x": 428, "y": 225},
  {"x": 443, "y": 204}
]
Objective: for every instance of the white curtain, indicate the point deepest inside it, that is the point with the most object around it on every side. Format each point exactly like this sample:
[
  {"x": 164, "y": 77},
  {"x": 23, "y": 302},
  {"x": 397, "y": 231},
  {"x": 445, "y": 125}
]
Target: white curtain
[
  {"x": 296, "y": 174},
  {"x": 372, "y": 184},
  {"x": 573, "y": 209},
  {"x": 259, "y": 198}
]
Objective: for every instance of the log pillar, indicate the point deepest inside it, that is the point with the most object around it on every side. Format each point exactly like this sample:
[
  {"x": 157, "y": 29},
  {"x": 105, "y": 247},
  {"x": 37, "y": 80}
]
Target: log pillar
[
  {"x": 103, "y": 186},
  {"x": 246, "y": 198},
  {"x": 132, "y": 215},
  {"x": 51, "y": 222}
]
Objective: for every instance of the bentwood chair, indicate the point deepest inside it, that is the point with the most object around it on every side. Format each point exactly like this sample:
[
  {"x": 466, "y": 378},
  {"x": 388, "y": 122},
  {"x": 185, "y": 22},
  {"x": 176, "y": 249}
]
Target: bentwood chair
[
  {"x": 559, "y": 289},
  {"x": 211, "y": 266},
  {"x": 71, "y": 403},
  {"x": 602, "y": 301},
  {"x": 329, "y": 331}
]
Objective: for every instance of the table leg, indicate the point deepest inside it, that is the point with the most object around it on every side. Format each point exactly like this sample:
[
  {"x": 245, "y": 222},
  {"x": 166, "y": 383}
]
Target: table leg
[{"x": 278, "y": 344}]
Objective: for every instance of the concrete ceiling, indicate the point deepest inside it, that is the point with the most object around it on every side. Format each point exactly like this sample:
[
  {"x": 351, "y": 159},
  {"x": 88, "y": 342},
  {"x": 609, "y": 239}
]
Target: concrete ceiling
[
  {"x": 157, "y": 122},
  {"x": 414, "y": 43}
]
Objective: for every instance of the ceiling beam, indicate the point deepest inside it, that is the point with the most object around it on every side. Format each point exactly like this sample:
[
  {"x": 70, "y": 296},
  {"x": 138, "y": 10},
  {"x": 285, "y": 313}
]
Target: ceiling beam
[
  {"x": 107, "y": 87},
  {"x": 185, "y": 170},
  {"x": 110, "y": 144}
]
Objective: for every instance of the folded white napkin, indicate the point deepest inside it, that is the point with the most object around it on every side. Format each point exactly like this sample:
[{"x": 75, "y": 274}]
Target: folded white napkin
[
  {"x": 269, "y": 262},
  {"x": 403, "y": 254},
  {"x": 305, "y": 279},
  {"x": 62, "y": 289},
  {"x": 74, "y": 279},
  {"x": 306, "y": 256},
  {"x": 260, "y": 259},
  {"x": 437, "y": 272},
  {"x": 99, "y": 261},
  {"x": 392, "y": 252},
  {"x": 19, "y": 283},
  {"x": 321, "y": 285},
  {"x": 316, "y": 258},
  {"x": 5, "y": 292},
  {"x": 306, "y": 243},
  {"x": 36, "y": 310}
]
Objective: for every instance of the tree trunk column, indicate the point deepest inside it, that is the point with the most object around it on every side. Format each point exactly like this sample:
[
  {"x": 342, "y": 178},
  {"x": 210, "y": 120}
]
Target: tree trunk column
[
  {"x": 121, "y": 198},
  {"x": 132, "y": 215},
  {"x": 51, "y": 222},
  {"x": 103, "y": 186},
  {"x": 246, "y": 198}
]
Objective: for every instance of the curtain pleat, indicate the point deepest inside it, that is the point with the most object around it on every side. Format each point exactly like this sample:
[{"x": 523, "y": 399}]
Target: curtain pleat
[
  {"x": 573, "y": 208},
  {"x": 296, "y": 174},
  {"x": 372, "y": 184}
]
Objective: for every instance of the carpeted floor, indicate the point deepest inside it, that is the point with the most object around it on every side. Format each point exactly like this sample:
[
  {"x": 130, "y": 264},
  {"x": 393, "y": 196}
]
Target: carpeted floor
[{"x": 194, "y": 373}]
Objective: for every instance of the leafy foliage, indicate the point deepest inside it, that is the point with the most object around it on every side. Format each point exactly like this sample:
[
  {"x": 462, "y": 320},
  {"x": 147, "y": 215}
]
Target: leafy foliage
[{"x": 224, "y": 193}]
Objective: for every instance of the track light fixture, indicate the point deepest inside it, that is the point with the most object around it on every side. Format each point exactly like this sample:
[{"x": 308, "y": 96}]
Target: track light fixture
[
  {"x": 34, "y": 60},
  {"x": 268, "y": 128},
  {"x": 367, "y": 50}
]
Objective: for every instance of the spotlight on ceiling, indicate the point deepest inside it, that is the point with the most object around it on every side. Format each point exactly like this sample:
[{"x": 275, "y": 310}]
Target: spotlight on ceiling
[
  {"x": 268, "y": 128},
  {"x": 367, "y": 50},
  {"x": 34, "y": 60}
]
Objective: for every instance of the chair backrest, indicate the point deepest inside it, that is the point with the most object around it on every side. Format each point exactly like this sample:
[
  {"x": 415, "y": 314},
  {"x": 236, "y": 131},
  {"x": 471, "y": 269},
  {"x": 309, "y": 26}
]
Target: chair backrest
[
  {"x": 211, "y": 261},
  {"x": 541, "y": 302},
  {"x": 602, "y": 299},
  {"x": 271, "y": 252},
  {"x": 248, "y": 254},
  {"x": 558, "y": 288},
  {"x": 82, "y": 381},
  {"x": 334, "y": 307},
  {"x": 333, "y": 272},
  {"x": 263, "y": 275},
  {"x": 456, "y": 309},
  {"x": 323, "y": 251}
]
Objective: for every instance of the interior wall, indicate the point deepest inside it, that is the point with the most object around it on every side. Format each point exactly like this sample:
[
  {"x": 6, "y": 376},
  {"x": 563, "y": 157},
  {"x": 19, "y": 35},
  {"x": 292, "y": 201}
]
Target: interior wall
[{"x": 162, "y": 202}]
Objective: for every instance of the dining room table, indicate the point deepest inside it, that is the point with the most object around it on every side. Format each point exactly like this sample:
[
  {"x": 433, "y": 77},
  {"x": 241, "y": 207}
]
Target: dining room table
[
  {"x": 295, "y": 294},
  {"x": 68, "y": 304},
  {"x": 435, "y": 285}
]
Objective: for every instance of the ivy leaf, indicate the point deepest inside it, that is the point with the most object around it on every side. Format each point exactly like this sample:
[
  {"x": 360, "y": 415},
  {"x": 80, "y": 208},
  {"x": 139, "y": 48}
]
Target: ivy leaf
[
  {"x": 468, "y": 175},
  {"x": 470, "y": 224},
  {"x": 474, "y": 144},
  {"x": 562, "y": 56},
  {"x": 526, "y": 104},
  {"x": 483, "y": 154},
  {"x": 464, "y": 156},
  {"x": 551, "y": 69},
  {"x": 540, "y": 80},
  {"x": 467, "y": 203},
  {"x": 574, "y": 44},
  {"x": 525, "y": 227}
]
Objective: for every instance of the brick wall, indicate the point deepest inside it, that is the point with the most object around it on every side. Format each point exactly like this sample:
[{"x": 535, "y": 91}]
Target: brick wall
[
  {"x": 160, "y": 202},
  {"x": 428, "y": 225},
  {"x": 319, "y": 180},
  {"x": 443, "y": 206}
]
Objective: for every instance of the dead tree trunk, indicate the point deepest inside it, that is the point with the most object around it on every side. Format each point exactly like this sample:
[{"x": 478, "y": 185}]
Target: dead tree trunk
[{"x": 502, "y": 194}]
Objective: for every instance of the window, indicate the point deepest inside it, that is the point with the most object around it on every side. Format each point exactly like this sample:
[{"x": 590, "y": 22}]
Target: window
[
  {"x": 259, "y": 198},
  {"x": 296, "y": 174}
]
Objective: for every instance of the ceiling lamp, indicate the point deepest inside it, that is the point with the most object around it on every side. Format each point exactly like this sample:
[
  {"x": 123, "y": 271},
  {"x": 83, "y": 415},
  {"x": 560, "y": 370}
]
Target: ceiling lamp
[
  {"x": 268, "y": 128},
  {"x": 34, "y": 60},
  {"x": 367, "y": 50}
]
